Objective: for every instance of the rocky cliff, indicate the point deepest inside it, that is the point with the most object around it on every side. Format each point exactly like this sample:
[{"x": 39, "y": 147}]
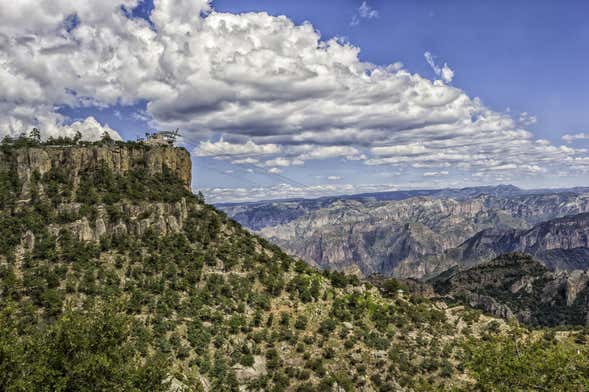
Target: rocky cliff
[
  {"x": 95, "y": 192},
  {"x": 407, "y": 236},
  {"x": 75, "y": 161},
  {"x": 374, "y": 237},
  {"x": 560, "y": 244},
  {"x": 525, "y": 203}
]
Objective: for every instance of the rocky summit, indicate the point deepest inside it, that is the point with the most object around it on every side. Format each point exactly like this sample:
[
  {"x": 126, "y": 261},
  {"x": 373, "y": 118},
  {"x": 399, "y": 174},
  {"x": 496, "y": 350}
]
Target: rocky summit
[{"x": 77, "y": 161}]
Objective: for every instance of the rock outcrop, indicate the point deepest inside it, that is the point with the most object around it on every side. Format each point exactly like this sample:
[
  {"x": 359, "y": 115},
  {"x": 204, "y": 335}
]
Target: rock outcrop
[
  {"x": 24, "y": 163},
  {"x": 163, "y": 218},
  {"x": 33, "y": 171},
  {"x": 560, "y": 244}
]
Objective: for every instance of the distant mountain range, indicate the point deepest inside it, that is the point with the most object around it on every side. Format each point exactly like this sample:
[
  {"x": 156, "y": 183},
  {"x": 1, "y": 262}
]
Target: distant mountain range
[
  {"x": 259, "y": 214},
  {"x": 424, "y": 232}
]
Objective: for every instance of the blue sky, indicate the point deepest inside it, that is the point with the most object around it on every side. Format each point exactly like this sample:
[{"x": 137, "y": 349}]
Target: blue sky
[
  {"x": 502, "y": 100},
  {"x": 530, "y": 56}
]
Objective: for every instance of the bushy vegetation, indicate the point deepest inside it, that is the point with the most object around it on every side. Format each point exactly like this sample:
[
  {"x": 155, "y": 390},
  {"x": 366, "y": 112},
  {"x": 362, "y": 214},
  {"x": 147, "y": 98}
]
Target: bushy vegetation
[
  {"x": 33, "y": 139},
  {"x": 543, "y": 303},
  {"x": 518, "y": 362},
  {"x": 80, "y": 351},
  {"x": 102, "y": 185}
]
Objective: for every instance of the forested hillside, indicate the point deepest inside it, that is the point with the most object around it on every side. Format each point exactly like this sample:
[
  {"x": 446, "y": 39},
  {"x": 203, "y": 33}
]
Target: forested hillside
[
  {"x": 114, "y": 276},
  {"x": 515, "y": 286}
]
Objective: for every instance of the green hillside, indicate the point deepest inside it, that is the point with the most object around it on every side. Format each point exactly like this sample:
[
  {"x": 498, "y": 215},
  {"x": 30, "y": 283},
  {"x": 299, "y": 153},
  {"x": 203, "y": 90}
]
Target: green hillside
[{"x": 116, "y": 277}]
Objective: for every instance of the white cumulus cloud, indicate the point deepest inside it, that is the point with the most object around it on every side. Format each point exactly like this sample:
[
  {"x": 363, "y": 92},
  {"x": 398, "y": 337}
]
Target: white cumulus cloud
[
  {"x": 275, "y": 91},
  {"x": 222, "y": 148}
]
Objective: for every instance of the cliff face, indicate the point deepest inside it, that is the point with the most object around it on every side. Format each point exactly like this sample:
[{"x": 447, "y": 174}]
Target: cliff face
[
  {"x": 560, "y": 244},
  {"x": 77, "y": 160},
  {"x": 383, "y": 237},
  {"x": 424, "y": 235},
  {"x": 74, "y": 186},
  {"x": 564, "y": 233},
  {"x": 163, "y": 218},
  {"x": 257, "y": 215}
]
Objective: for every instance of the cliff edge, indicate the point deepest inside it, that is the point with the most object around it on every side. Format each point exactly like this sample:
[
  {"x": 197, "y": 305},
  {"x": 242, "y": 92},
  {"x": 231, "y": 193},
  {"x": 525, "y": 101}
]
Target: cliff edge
[{"x": 75, "y": 161}]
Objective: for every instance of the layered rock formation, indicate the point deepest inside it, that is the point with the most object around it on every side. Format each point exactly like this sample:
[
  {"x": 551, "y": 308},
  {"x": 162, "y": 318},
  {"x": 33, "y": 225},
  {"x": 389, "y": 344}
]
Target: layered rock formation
[
  {"x": 163, "y": 218},
  {"x": 24, "y": 163},
  {"x": 57, "y": 179},
  {"x": 415, "y": 236},
  {"x": 528, "y": 204},
  {"x": 377, "y": 236},
  {"x": 560, "y": 244}
]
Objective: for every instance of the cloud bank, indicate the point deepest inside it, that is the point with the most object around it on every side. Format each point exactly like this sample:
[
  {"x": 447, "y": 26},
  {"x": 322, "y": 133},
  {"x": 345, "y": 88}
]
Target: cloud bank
[{"x": 253, "y": 89}]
